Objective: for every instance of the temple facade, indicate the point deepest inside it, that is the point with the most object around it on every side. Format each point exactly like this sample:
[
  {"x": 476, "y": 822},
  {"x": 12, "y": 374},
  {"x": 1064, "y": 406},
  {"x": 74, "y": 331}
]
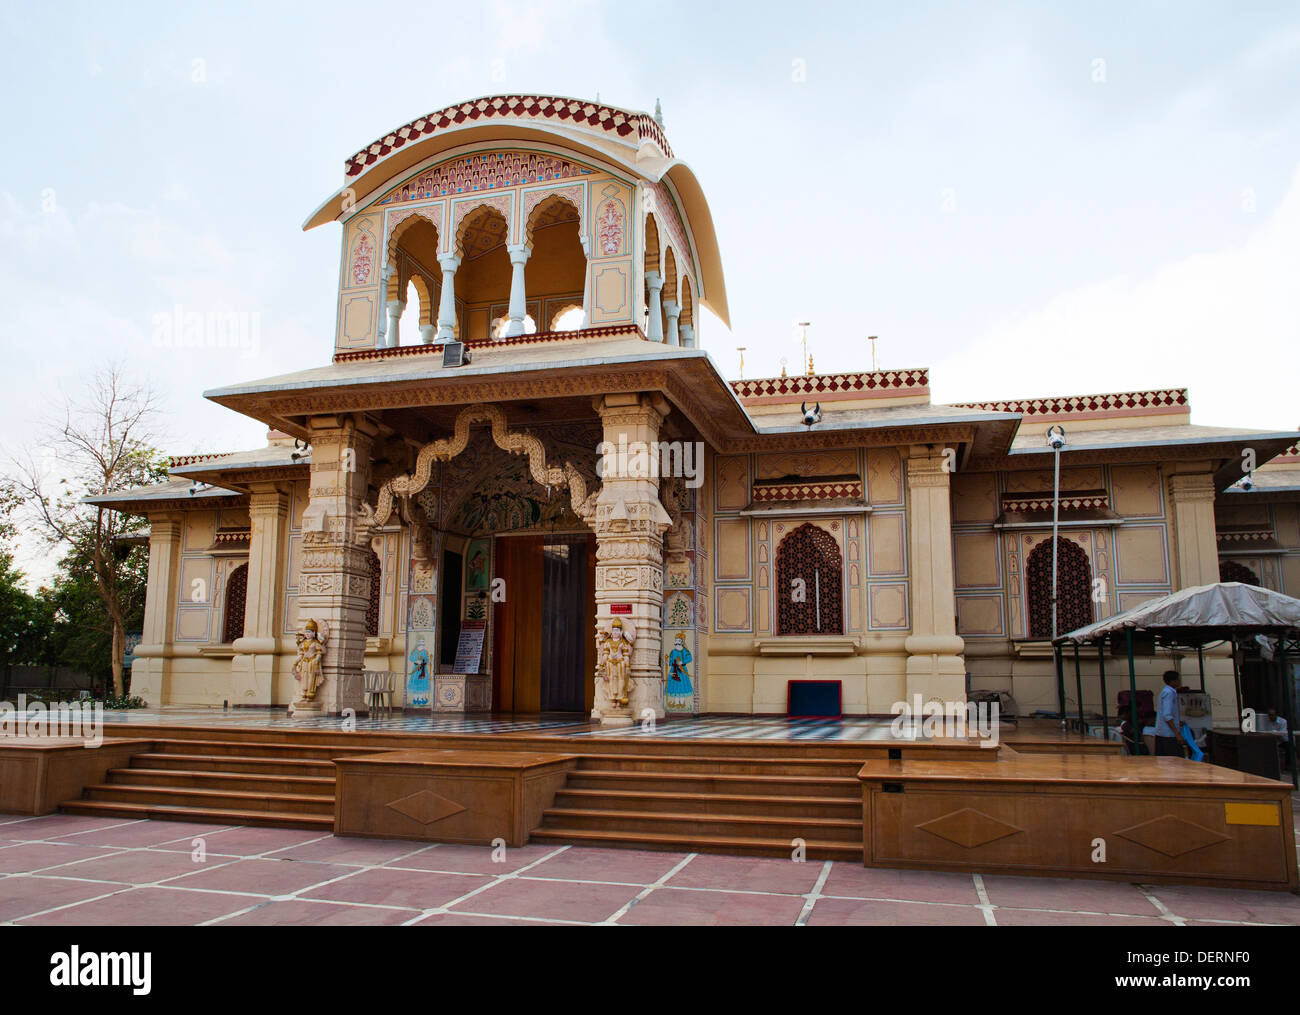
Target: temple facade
[{"x": 549, "y": 498}]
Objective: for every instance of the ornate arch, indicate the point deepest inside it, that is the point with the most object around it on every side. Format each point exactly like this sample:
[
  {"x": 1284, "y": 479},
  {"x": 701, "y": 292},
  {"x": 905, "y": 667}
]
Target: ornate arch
[
  {"x": 376, "y": 595},
  {"x": 400, "y": 221},
  {"x": 232, "y": 627},
  {"x": 651, "y": 242},
  {"x": 811, "y": 556},
  {"x": 1074, "y": 587},
  {"x": 1233, "y": 571},
  {"x": 467, "y": 212},
  {"x": 425, "y": 297},
  {"x": 536, "y": 201},
  {"x": 402, "y": 488},
  {"x": 670, "y": 273},
  {"x": 687, "y": 303}
]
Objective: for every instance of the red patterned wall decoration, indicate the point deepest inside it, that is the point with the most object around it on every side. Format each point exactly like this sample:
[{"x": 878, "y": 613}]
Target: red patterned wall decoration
[
  {"x": 1231, "y": 571},
  {"x": 236, "y": 602},
  {"x": 811, "y": 554},
  {"x": 1074, "y": 588},
  {"x": 476, "y": 173},
  {"x": 376, "y": 590}
]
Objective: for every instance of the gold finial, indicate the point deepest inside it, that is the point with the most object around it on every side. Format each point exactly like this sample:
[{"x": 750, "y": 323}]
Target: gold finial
[
  {"x": 811, "y": 370},
  {"x": 783, "y": 363}
]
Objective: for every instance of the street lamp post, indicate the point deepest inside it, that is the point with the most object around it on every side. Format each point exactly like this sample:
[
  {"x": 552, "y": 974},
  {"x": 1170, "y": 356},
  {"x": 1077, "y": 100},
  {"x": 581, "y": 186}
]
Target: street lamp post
[{"x": 1056, "y": 441}]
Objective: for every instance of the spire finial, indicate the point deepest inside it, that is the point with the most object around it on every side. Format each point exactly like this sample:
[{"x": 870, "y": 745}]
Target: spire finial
[{"x": 659, "y": 114}]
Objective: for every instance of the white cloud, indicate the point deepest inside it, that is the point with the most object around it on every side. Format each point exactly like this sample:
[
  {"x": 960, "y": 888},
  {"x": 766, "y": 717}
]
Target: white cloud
[{"x": 1224, "y": 324}]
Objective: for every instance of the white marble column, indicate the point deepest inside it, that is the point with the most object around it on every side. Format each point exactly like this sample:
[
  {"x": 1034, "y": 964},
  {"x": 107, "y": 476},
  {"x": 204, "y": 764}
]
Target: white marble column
[
  {"x": 518, "y": 298},
  {"x": 672, "y": 311},
  {"x": 395, "y": 310},
  {"x": 655, "y": 326},
  {"x": 427, "y": 333},
  {"x": 334, "y": 582},
  {"x": 447, "y": 298},
  {"x": 629, "y": 524},
  {"x": 686, "y": 336}
]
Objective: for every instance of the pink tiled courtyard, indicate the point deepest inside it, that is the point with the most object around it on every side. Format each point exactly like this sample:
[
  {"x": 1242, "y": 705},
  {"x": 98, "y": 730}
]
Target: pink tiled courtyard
[{"x": 82, "y": 871}]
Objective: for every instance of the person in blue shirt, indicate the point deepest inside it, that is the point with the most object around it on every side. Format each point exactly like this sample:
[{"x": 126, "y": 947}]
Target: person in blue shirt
[{"x": 1169, "y": 721}]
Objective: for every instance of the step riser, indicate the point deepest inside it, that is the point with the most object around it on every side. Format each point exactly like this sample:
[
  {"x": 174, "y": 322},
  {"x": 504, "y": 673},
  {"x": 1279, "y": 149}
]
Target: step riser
[
  {"x": 181, "y": 762},
  {"x": 848, "y": 852},
  {"x": 721, "y": 766},
  {"x": 272, "y": 752},
  {"x": 649, "y": 783},
  {"x": 206, "y": 780},
  {"x": 182, "y": 798},
  {"x": 198, "y": 815},
  {"x": 777, "y": 810},
  {"x": 701, "y": 826}
]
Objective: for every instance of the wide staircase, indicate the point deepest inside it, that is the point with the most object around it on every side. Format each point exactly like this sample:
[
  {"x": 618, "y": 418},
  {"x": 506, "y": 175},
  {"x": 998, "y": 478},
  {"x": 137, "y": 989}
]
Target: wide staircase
[
  {"x": 282, "y": 785},
  {"x": 753, "y": 806},
  {"x": 719, "y": 799}
]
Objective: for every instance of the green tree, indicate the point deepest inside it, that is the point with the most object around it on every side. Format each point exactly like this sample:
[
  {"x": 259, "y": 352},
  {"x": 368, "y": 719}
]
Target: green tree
[{"x": 25, "y": 620}]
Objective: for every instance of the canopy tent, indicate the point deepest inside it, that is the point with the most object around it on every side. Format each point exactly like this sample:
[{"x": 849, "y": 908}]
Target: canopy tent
[{"x": 1225, "y": 611}]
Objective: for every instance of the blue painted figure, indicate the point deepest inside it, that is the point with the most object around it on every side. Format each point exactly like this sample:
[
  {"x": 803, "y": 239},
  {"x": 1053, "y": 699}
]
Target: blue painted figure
[
  {"x": 678, "y": 693},
  {"x": 417, "y": 682}
]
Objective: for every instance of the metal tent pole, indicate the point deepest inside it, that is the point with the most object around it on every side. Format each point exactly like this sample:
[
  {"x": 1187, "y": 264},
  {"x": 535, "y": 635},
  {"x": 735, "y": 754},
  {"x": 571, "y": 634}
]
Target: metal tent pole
[
  {"x": 1290, "y": 711},
  {"x": 1236, "y": 680},
  {"x": 1060, "y": 681},
  {"x": 1101, "y": 672},
  {"x": 1200, "y": 658},
  {"x": 1078, "y": 680},
  {"x": 1133, "y": 693}
]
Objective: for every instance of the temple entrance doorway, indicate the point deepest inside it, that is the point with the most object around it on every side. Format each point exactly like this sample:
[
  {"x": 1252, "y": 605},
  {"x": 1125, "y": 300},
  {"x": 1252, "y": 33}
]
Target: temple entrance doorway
[{"x": 543, "y": 652}]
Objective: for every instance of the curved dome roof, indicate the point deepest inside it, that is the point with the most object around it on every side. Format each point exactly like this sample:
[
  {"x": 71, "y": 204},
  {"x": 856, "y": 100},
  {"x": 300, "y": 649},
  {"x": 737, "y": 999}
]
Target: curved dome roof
[{"x": 626, "y": 138}]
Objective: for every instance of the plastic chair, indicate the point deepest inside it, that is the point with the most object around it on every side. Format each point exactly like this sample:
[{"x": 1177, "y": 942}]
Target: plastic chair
[{"x": 378, "y": 688}]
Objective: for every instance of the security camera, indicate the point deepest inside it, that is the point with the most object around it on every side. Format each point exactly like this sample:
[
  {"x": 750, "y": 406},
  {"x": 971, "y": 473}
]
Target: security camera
[
  {"x": 1247, "y": 484},
  {"x": 811, "y": 416}
]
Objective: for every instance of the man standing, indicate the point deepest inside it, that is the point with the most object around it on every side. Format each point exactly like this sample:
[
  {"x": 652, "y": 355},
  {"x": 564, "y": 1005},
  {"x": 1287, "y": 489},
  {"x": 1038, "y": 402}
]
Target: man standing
[{"x": 1168, "y": 719}]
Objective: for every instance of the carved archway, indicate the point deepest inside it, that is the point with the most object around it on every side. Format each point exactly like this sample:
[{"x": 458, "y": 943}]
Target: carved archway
[{"x": 400, "y": 489}]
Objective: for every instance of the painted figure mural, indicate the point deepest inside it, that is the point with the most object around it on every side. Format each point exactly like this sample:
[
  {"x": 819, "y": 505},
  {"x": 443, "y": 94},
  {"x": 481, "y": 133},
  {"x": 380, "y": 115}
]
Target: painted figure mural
[
  {"x": 476, "y": 567},
  {"x": 417, "y": 681},
  {"x": 678, "y": 691}
]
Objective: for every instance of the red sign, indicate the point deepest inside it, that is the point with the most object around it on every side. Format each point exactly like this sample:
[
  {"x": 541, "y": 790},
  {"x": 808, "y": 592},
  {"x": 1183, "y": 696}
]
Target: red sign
[{"x": 620, "y": 607}]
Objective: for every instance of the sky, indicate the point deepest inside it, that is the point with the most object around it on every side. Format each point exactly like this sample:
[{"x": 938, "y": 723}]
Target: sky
[{"x": 1029, "y": 199}]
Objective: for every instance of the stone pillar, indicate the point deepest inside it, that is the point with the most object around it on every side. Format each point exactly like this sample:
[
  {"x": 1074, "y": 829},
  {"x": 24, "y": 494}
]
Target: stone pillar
[
  {"x": 655, "y": 326},
  {"x": 1196, "y": 562},
  {"x": 1191, "y": 496},
  {"x": 672, "y": 311},
  {"x": 629, "y": 523},
  {"x": 427, "y": 333},
  {"x": 151, "y": 670},
  {"x": 935, "y": 667},
  {"x": 518, "y": 299},
  {"x": 257, "y": 664},
  {"x": 686, "y": 335},
  {"x": 334, "y": 588},
  {"x": 395, "y": 310},
  {"x": 447, "y": 298}
]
